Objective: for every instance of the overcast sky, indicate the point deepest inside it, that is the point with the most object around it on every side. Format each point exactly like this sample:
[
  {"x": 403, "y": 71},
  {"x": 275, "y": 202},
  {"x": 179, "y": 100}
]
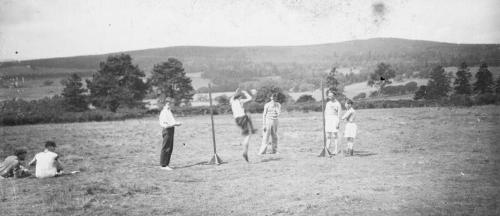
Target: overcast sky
[{"x": 55, "y": 28}]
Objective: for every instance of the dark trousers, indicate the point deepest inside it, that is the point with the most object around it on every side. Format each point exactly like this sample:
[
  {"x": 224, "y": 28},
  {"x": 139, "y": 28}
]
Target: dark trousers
[{"x": 167, "y": 146}]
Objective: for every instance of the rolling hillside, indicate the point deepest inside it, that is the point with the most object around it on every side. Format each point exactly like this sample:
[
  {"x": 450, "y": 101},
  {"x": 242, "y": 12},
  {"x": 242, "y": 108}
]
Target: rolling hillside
[{"x": 349, "y": 53}]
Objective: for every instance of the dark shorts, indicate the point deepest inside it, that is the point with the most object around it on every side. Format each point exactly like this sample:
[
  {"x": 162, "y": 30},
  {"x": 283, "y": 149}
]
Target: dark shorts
[{"x": 245, "y": 123}]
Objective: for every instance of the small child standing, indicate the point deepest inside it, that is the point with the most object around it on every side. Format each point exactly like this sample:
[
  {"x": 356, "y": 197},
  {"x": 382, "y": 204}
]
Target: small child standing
[
  {"x": 351, "y": 127},
  {"x": 47, "y": 162}
]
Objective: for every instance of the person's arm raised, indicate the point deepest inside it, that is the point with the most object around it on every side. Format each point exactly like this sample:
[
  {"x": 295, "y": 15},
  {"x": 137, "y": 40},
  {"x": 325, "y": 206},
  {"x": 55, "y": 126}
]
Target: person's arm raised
[{"x": 248, "y": 97}]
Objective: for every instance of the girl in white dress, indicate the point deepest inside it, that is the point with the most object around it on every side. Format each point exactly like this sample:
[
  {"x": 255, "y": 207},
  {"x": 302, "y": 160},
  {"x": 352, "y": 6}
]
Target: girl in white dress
[
  {"x": 332, "y": 120},
  {"x": 351, "y": 127}
]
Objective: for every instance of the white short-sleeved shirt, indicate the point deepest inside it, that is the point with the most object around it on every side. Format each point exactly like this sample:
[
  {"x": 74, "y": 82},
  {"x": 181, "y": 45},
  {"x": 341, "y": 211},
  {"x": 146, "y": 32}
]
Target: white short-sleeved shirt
[
  {"x": 237, "y": 108},
  {"x": 166, "y": 118},
  {"x": 349, "y": 115},
  {"x": 332, "y": 108},
  {"x": 46, "y": 164}
]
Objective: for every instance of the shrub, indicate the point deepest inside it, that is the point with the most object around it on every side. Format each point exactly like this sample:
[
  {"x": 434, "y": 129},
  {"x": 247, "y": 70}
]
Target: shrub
[
  {"x": 411, "y": 87},
  {"x": 48, "y": 82},
  {"x": 361, "y": 95},
  {"x": 306, "y": 99},
  {"x": 222, "y": 100},
  {"x": 484, "y": 99},
  {"x": 461, "y": 100}
]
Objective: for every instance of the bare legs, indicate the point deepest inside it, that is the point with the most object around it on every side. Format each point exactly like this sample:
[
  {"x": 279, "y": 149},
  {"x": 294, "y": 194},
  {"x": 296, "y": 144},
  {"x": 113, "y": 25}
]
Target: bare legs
[
  {"x": 246, "y": 140},
  {"x": 334, "y": 136},
  {"x": 350, "y": 144}
]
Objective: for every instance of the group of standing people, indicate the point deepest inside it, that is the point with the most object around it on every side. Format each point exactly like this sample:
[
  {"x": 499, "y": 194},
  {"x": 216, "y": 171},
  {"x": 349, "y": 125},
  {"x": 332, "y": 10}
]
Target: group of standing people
[
  {"x": 270, "y": 114},
  {"x": 47, "y": 163}
]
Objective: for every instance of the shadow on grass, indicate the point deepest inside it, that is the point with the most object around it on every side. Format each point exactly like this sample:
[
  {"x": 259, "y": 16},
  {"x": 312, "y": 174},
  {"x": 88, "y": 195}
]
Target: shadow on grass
[
  {"x": 270, "y": 159},
  {"x": 197, "y": 164},
  {"x": 363, "y": 153}
]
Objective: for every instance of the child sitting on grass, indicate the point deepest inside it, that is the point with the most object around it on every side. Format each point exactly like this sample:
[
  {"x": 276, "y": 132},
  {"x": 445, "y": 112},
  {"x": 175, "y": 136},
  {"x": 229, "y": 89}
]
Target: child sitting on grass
[
  {"x": 47, "y": 163},
  {"x": 11, "y": 166}
]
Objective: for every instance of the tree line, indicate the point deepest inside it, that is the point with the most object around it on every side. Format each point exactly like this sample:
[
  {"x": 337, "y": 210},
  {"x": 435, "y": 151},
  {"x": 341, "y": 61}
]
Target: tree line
[
  {"x": 440, "y": 83},
  {"x": 120, "y": 83}
]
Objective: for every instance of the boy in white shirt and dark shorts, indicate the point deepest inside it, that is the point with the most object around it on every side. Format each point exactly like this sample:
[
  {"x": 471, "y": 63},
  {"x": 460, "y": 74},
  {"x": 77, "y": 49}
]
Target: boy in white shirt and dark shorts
[
  {"x": 241, "y": 118},
  {"x": 351, "y": 127}
]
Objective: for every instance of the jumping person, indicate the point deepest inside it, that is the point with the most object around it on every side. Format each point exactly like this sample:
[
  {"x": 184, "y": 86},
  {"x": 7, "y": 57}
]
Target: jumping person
[
  {"x": 11, "y": 166},
  {"x": 47, "y": 162},
  {"x": 272, "y": 110},
  {"x": 168, "y": 123},
  {"x": 350, "y": 127},
  {"x": 241, "y": 118},
  {"x": 332, "y": 120}
]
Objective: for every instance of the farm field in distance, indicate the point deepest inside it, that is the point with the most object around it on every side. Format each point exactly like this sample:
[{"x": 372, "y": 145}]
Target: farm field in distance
[
  {"x": 408, "y": 161},
  {"x": 36, "y": 88}
]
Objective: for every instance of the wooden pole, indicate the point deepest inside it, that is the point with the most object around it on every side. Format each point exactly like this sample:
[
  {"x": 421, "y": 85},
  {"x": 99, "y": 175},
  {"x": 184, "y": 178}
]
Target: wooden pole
[
  {"x": 325, "y": 151},
  {"x": 215, "y": 159}
]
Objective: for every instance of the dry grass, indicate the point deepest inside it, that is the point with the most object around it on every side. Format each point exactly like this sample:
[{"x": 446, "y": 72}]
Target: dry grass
[{"x": 425, "y": 161}]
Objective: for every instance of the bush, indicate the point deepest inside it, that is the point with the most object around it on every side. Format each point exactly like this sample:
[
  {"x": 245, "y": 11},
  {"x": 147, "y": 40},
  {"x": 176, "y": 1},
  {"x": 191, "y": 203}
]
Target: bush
[
  {"x": 306, "y": 99},
  {"x": 51, "y": 110},
  {"x": 411, "y": 87},
  {"x": 254, "y": 107},
  {"x": 361, "y": 95},
  {"x": 484, "y": 99},
  {"x": 460, "y": 100},
  {"x": 48, "y": 82},
  {"x": 222, "y": 100}
]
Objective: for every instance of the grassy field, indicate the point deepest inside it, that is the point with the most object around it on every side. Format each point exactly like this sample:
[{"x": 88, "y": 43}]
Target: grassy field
[{"x": 424, "y": 161}]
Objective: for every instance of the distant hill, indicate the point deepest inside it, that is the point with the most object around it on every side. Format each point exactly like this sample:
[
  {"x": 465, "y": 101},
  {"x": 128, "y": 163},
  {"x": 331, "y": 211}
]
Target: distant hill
[{"x": 349, "y": 53}]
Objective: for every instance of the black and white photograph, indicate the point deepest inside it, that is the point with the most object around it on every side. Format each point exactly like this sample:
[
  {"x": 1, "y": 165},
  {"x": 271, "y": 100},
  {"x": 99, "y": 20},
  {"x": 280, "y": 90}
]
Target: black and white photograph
[{"x": 249, "y": 107}]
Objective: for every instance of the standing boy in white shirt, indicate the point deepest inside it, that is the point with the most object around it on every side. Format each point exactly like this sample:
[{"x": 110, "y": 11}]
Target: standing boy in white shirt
[
  {"x": 167, "y": 123},
  {"x": 350, "y": 128},
  {"x": 47, "y": 162},
  {"x": 332, "y": 120},
  {"x": 241, "y": 118},
  {"x": 272, "y": 110}
]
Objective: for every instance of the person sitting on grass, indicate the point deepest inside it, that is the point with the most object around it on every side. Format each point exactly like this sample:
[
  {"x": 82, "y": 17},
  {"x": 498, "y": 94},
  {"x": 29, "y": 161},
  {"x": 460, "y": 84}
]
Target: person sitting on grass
[
  {"x": 47, "y": 162},
  {"x": 11, "y": 166},
  {"x": 241, "y": 118}
]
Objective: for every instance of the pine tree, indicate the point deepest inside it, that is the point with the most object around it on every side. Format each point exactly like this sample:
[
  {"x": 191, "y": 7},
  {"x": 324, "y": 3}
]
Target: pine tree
[
  {"x": 484, "y": 80},
  {"x": 73, "y": 94},
  {"x": 170, "y": 80},
  {"x": 118, "y": 82},
  {"x": 461, "y": 84},
  {"x": 332, "y": 83},
  {"x": 438, "y": 85},
  {"x": 497, "y": 86},
  {"x": 382, "y": 76}
]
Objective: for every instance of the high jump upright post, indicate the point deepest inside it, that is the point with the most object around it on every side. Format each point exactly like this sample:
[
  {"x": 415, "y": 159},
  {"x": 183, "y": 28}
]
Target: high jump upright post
[
  {"x": 325, "y": 151},
  {"x": 215, "y": 159}
]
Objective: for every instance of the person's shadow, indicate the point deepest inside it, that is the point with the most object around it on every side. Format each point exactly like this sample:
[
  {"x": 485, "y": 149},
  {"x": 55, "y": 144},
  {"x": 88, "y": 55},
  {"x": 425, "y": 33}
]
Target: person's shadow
[
  {"x": 197, "y": 164},
  {"x": 363, "y": 153},
  {"x": 270, "y": 159}
]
